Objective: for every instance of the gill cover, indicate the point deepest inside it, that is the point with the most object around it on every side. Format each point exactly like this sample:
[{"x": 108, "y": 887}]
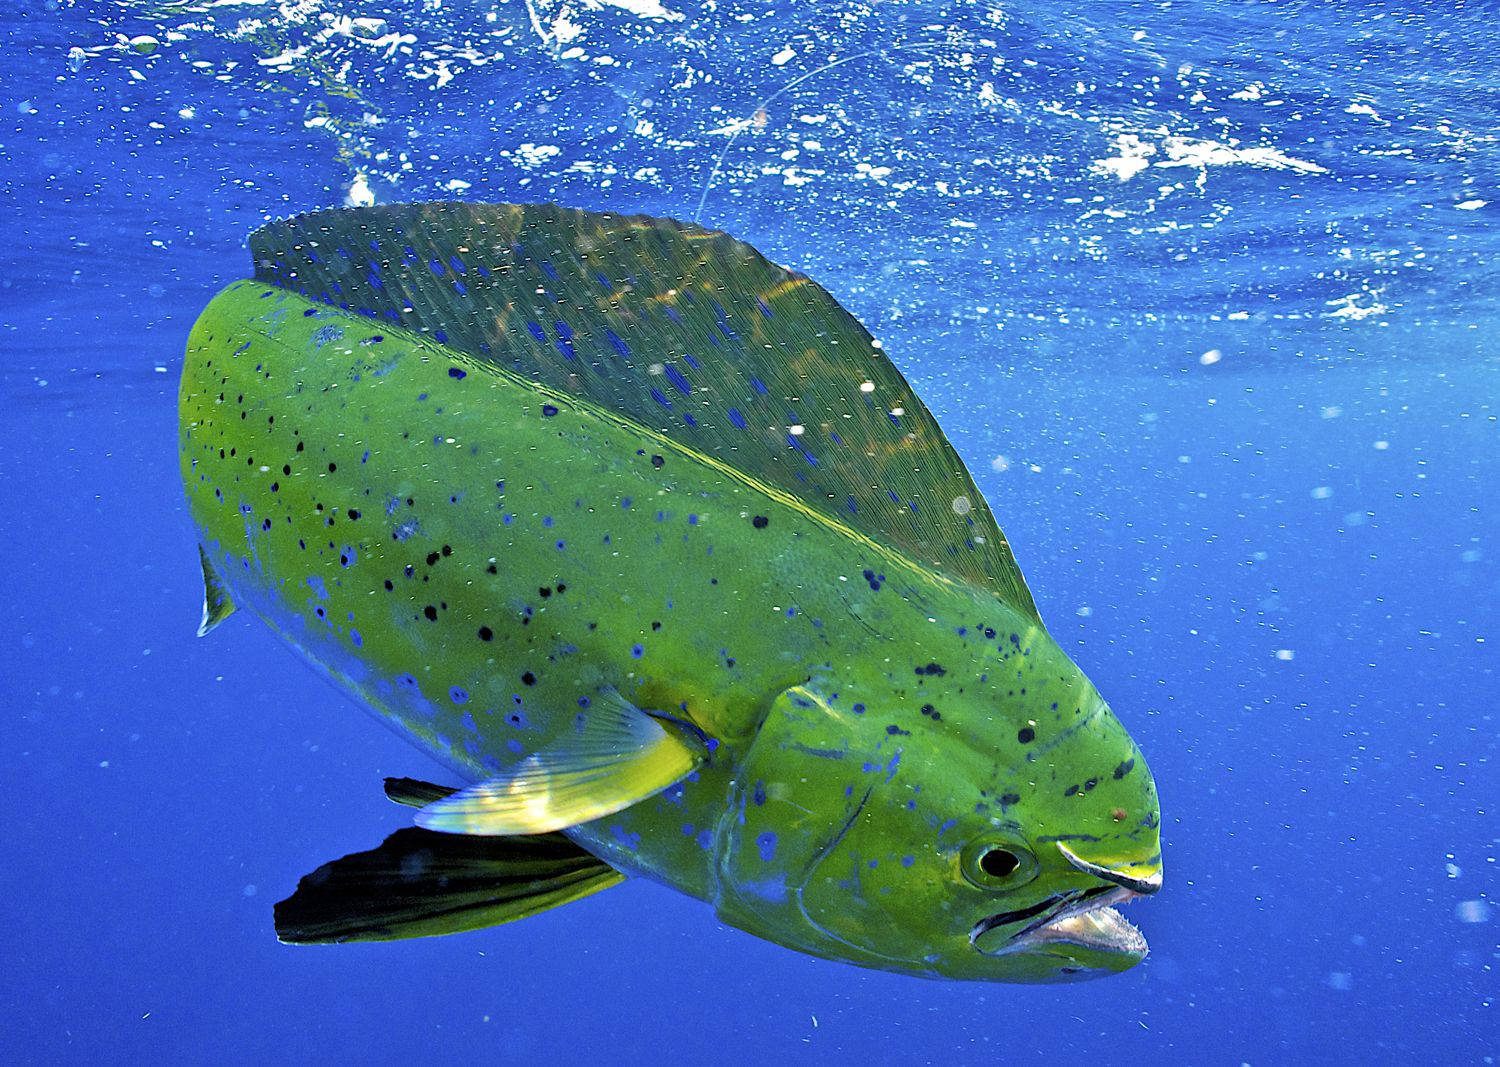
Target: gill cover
[{"x": 800, "y": 791}]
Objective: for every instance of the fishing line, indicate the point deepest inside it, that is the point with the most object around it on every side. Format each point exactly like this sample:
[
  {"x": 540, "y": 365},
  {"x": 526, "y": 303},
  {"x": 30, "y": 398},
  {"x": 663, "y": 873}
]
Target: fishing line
[{"x": 760, "y": 106}]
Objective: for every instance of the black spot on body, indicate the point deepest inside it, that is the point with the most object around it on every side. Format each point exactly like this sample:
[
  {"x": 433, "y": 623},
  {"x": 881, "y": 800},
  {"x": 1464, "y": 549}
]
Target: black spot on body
[
  {"x": 658, "y": 462},
  {"x": 486, "y": 634},
  {"x": 528, "y": 678},
  {"x": 431, "y": 612},
  {"x": 1025, "y": 735},
  {"x": 1125, "y": 768},
  {"x": 760, "y": 522}
]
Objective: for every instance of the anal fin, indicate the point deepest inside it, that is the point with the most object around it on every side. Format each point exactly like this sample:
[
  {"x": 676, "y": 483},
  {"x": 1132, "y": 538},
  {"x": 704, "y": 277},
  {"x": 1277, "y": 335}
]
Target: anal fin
[
  {"x": 424, "y": 884},
  {"x": 216, "y": 603}
]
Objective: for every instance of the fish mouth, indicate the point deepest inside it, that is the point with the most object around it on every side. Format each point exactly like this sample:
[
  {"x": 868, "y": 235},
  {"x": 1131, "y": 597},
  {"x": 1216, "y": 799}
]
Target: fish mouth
[
  {"x": 1068, "y": 923},
  {"x": 1085, "y": 921}
]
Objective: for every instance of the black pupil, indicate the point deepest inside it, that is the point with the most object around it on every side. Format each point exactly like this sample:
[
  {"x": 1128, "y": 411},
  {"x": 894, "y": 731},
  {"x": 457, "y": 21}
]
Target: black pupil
[{"x": 998, "y": 863}]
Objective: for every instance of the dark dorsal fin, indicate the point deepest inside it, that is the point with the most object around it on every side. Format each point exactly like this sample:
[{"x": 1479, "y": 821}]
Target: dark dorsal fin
[{"x": 683, "y": 330}]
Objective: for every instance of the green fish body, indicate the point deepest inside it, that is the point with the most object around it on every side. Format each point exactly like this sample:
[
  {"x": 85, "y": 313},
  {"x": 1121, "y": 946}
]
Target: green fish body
[{"x": 647, "y": 541}]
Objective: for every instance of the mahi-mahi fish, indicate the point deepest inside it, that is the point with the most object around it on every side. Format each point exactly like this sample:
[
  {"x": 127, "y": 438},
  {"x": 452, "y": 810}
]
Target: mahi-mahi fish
[{"x": 646, "y": 540}]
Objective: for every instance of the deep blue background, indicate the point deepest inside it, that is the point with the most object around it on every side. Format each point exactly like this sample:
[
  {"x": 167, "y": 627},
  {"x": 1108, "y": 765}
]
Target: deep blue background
[{"x": 1325, "y": 489}]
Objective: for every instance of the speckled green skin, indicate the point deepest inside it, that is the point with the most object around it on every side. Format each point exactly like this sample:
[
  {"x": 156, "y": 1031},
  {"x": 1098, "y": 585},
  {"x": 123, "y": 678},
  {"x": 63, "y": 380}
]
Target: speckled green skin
[{"x": 471, "y": 556}]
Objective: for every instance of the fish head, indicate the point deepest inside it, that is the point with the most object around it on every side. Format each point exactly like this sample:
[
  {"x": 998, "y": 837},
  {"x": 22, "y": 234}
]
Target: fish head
[{"x": 993, "y": 843}]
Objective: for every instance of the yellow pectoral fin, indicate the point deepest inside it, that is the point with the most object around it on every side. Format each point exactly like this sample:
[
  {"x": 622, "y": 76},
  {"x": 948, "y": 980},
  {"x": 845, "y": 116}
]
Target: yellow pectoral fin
[{"x": 616, "y": 756}]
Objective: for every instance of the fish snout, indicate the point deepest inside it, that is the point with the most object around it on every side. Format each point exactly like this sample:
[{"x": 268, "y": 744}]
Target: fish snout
[{"x": 1142, "y": 877}]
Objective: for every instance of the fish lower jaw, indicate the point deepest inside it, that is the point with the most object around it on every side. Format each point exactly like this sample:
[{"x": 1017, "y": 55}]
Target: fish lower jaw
[
  {"x": 1093, "y": 924},
  {"x": 1102, "y": 929}
]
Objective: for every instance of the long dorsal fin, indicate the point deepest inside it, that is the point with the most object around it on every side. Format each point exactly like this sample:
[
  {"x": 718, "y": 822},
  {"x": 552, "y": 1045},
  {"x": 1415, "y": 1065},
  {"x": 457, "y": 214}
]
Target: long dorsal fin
[
  {"x": 424, "y": 884},
  {"x": 614, "y": 756},
  {"x": 683, "y": 330}
]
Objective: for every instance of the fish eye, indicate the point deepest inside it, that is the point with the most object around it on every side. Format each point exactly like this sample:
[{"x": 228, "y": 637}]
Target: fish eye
[{"x": 998, "y": 864}]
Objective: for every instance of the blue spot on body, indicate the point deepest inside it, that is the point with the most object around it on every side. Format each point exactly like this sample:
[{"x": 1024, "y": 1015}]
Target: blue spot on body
[
  {"x": 458, "y": 695},
  {"x": 766, "y": 843},
  {"x": 736, "y": 419},
  {"x": 457, "y": 372},
  {"x": 678, "y": 381}
]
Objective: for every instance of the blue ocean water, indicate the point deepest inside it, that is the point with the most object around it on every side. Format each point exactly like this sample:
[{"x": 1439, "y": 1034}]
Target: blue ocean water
[{"x": 1204, "y": 293}]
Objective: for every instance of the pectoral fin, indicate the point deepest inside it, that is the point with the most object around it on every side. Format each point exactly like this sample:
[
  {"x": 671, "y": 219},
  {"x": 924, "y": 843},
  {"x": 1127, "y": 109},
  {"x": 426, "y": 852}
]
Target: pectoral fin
[
  {"x": 216, "y": 603},
  {"x": 614, "y": 756},
  {"x": 424, "y": 884}
]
